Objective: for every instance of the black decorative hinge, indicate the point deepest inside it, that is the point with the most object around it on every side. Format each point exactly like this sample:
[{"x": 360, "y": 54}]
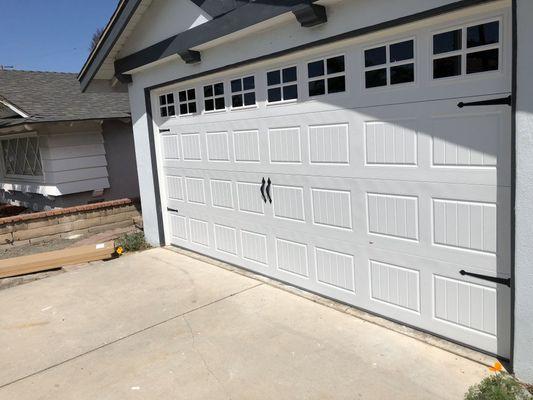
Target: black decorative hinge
[
  {"x": 172, "y": 209},
  {"x": 508, "y": 101},
  {"x": 164, "y": 130},
  {"x": 503, "y": 281}
]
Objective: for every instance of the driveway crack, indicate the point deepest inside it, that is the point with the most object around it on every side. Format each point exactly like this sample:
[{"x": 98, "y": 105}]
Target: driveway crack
[
  {"x": 206, "y": 365},
  {"x": 107, "y": 344}
]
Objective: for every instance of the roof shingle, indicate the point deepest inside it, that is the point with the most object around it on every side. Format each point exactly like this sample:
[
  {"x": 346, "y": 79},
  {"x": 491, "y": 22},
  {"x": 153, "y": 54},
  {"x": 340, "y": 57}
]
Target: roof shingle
[{"x": 57, "y": 96}]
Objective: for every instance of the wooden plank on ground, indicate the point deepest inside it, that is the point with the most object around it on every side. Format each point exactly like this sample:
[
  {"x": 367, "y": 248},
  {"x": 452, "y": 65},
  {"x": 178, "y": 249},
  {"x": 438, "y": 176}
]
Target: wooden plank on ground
[{"x": 56, "y": 259}]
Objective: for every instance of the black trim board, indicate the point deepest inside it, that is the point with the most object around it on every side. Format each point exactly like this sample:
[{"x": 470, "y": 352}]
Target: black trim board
[
  {"x": 513, "y": 173},
  {"x": 358, "y": 32},
  {"x": 236, "y": 20},
  {"x": 153, "y": 159},
  {"x": 115, "y": 31}
]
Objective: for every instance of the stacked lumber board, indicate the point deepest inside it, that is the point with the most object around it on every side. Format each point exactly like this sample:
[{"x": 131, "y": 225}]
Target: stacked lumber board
[{"x": 56, "y": 259}]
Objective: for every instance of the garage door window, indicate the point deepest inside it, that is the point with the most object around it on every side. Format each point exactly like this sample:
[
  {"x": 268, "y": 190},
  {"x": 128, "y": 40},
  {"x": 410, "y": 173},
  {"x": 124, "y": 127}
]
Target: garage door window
[
  {"x": 326, "y": 76},
  {"x": 281, "y": 85},
  {"x": 166, "y": 105},
  {"x": 243, "y": 92},
  {"x": 468, "y": 50},
  {"x": 187, "y": 101},
  {"x": 390, "y": 64},
  {"x": 214, "y": 97}
]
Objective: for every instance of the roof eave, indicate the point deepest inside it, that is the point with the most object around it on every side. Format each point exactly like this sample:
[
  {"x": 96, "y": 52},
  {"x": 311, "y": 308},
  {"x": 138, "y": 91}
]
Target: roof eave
[{"x": 116, "y": 25}]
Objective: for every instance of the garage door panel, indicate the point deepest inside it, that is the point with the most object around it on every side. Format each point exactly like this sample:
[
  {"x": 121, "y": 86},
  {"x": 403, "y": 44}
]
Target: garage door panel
[
  {"x": 375, "y": 197},
  {"x": 433, "y": 142}
]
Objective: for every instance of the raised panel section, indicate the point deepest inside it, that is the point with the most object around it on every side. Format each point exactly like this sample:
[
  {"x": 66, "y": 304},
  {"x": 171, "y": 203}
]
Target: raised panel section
[
  {"x": 199, "y": 231},
  {"x": 395, "y": 285},
  {"x": 285, "y": 145},
  {"x": 175, "y": 187},
  {"x": 391, "y": 142},
  {"x": 328, "y": 144},
  {"x": 249, "y": 197},
  {"x": 246, "y": 146},
  {"x": 178, "y": 226},
  {"x": 226, "y": 239},
  {"x": 195, "y": 190},
  {"x": 191, "y": 146},
  {"x": 292, "y": 257},
  {"x": 336, "y": 269},
  {"x": 288, "y": 202},
  {"x": 254, "y": 247},
  {"x": 466, "y": 304},
  {"x": 466, "y": 225},
  {"x": 171, "y": 147},
  {"x": 393, "y": 215},
  {"x": 466, "y": 141},
  {"x": 221, "y": 193},
  {"x": 332, "y": 208},
  {"x": 217, "y": 146}
]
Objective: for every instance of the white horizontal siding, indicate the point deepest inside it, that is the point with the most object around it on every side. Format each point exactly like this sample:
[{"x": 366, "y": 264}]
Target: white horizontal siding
[
  {"x": 69, "y": 164},
  {"x": 74, "y": 162}
]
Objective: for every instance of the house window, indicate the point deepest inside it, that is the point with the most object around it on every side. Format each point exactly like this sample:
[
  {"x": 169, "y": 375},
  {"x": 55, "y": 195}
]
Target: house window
[
  {"x": 21, "y": 156},
  {"x": 214, "y": 97},
  {"x": 166, "y": 105},
  {"x": 326, "y": 76},
  {"x": 187, "y": 101},
  {"x": 281, "y": 85},
  {"x": 468, "y": 50},
  {"x": 243, "y": 92},
  {"x": 390, "y": 64}
]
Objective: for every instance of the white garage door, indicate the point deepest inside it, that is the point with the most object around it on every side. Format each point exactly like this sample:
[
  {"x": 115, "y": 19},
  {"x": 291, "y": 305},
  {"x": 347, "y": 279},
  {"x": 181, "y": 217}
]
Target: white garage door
[{"x": 351, "y": 171}]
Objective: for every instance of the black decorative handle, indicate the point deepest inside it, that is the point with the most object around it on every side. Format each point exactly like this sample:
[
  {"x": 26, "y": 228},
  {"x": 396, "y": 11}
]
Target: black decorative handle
[
  {"x": 503, "y": 281},
  {"x": 263, "y": 190},
  {"x": 172, "y": 209},
  {"x": 503, "y": 100},
  {"x": 268, "y": 190}
]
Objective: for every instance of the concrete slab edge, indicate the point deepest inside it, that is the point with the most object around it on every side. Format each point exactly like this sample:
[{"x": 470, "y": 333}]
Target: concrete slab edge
[{"x": 422, "y": 336}]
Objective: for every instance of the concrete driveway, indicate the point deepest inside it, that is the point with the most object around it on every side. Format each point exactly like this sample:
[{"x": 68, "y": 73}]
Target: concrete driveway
[{"x": 161, "y": 325}]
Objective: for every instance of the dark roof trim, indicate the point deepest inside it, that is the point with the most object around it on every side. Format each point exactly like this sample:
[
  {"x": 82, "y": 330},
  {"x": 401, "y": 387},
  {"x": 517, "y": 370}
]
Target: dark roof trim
[
  {"x": 118, "y": 23},
  {"x": 236, "y": 20},
  {"x": 216, "y": 8},
  {"x": 309, "y": 15},
  {"x": 4, "y": 123},
  {"x": 458, "y": 5}
]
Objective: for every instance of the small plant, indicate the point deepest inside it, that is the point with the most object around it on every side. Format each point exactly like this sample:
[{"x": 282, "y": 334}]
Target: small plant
[
  {"x": 500, "y": 386},
  {"x": 132, "y": 242}
]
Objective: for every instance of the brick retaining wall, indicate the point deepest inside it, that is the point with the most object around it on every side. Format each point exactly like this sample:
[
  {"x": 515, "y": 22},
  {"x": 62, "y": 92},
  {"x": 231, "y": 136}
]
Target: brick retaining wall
[{"x": 62, "y": 223}]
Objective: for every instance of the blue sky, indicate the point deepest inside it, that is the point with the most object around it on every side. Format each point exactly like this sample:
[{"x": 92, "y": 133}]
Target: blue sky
[{"x": 50, "y": 35}]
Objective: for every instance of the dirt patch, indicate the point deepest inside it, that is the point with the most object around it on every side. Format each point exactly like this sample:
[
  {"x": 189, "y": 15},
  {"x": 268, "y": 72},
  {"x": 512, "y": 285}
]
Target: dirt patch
[
  {"x": 52, "y": 245},
  {"x": 63, "y": 243}
]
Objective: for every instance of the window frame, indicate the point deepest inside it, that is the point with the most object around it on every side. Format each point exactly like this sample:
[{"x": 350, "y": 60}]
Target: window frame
[
  {"x": 281, "y": 85},
  {"x": 388, "y": 65},
  {"x": 214, "y": 97},
  {"x": 464, "y": 51},
  {"x": 187, "y": 101},
  {"x": 19, "y": 177},
  {"x": 326, "y": 76},
  {"x": 242, "y": 92},
  {"x": 167, "y": 105}
]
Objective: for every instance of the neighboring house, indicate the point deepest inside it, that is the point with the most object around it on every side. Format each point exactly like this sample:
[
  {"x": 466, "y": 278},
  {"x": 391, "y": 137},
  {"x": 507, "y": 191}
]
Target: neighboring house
[
  {"x": 61, "y": 147},
  {"x": 371, "y": 151}
]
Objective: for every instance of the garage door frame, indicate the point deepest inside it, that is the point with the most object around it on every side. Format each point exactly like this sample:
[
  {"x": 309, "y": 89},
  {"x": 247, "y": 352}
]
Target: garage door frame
[{"x": 393, "y": 23}]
